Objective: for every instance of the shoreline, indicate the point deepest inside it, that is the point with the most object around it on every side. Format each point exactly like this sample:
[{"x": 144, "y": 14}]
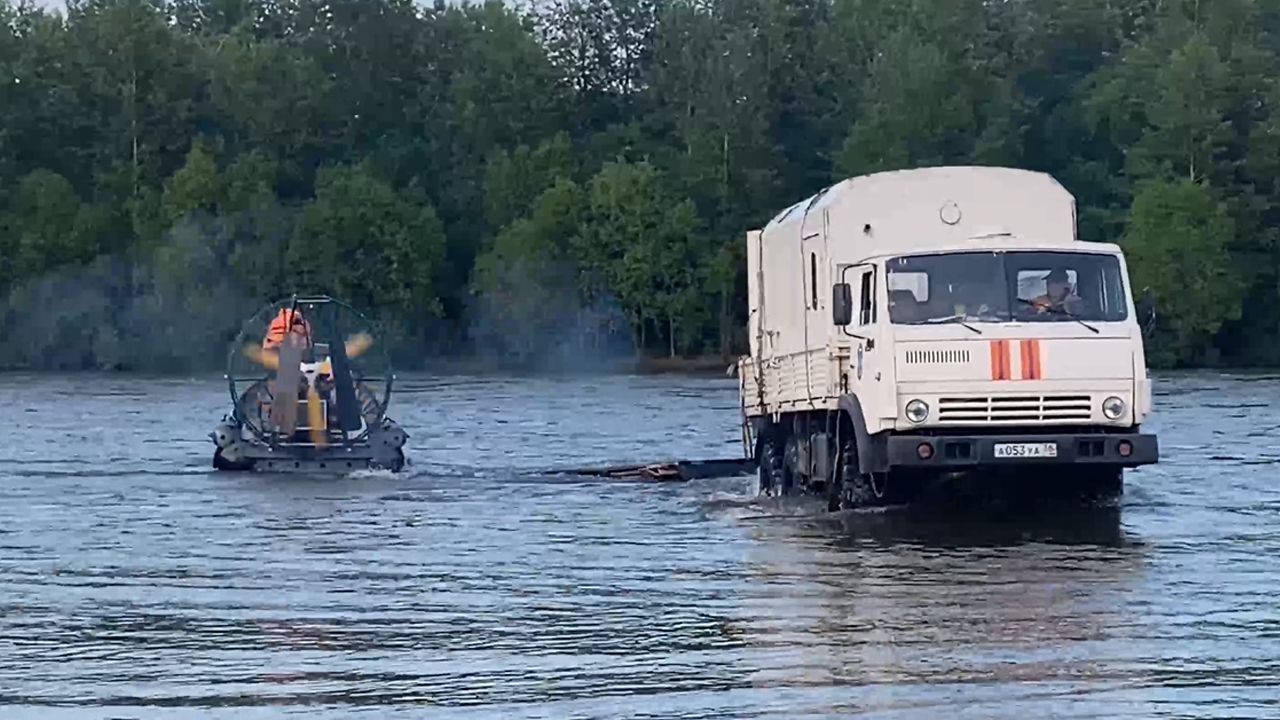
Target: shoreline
[
  {"x": 706, "y": 366},
  {"x": 711, "y": 366}
]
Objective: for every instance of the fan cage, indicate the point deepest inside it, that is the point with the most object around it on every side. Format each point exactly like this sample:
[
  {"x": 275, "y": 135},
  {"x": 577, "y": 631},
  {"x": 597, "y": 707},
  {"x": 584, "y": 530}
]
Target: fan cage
[{"x": 330, "y": 320}]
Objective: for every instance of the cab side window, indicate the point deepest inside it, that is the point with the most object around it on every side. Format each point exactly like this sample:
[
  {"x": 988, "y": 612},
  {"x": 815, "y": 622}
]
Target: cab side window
[
  {"x": 813, "y": 278},
  {"x": 867, "y": 314}
]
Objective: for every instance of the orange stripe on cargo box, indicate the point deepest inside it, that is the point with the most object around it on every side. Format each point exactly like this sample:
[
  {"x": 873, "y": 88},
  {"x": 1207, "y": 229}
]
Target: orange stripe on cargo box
[{"x": 1036, "y": 370}]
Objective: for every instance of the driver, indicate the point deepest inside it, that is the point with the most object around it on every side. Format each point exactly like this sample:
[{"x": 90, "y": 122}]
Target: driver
[
  {"x": 1059, "y": 295},
  {"x": 286, "y": 321}
]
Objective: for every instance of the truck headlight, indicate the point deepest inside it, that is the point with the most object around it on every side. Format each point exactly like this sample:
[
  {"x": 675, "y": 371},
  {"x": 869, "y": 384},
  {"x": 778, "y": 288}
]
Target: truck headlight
[
  {"x": 917, "y": 411},
  {"x": 1113, "y": 407}
]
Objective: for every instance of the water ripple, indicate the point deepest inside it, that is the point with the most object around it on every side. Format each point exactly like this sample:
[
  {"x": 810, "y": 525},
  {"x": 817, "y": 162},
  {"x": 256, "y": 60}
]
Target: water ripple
[{"x": 135, "y": 583}]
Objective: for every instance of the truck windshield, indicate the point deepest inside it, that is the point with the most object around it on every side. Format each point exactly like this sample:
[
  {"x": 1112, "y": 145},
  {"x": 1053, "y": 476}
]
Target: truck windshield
[{"x": 1005, "y": 286}]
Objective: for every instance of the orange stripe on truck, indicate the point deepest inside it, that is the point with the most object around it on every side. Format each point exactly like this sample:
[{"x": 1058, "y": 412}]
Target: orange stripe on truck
[
  {"x": 999, "y": 359},
  {"x": 1031, "y": 369}
]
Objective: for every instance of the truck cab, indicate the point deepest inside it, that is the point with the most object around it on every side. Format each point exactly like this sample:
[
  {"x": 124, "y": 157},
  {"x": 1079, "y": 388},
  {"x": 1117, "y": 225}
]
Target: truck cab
[{"x": 919, "y": 324}]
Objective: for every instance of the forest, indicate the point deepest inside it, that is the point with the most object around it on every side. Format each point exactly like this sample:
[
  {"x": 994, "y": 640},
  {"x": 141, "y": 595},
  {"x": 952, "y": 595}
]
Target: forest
[{"x": 543, "y": 184}]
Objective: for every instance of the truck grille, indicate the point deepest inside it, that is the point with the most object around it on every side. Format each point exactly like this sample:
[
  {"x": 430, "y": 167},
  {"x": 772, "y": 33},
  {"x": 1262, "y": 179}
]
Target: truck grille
[
  {"x": 1015, "y": 409},
  {"x": 937, "y": 357}
]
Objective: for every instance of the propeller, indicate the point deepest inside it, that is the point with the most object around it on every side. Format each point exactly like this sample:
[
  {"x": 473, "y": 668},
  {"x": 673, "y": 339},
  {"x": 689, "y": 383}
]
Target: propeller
[
  {"x": 269, "y": 358},
  {"x": 284, "y": 412}
]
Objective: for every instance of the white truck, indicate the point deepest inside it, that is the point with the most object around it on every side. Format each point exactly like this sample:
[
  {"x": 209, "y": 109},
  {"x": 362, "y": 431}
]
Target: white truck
[{"x": 912, "y": 325}]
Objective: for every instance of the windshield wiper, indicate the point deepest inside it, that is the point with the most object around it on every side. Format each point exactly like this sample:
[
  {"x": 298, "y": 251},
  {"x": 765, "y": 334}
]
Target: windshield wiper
[
  {"x": 1061, "y": 311},
  {"x": 951, "y": 318}
]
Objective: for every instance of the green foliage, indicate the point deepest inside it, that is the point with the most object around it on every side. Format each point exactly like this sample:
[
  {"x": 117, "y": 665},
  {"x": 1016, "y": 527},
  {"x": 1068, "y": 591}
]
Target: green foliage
[
  {"x": 1177, "y": 246},
  {"x": 195, "y": 187},
  {"x": 48, "y": 227},
  {"x": 529, "y": 308},
  {"x": 917, "y": 110},
  {"x": 539, "y": 184},
  {"x": 362, "y": 240},
  {"x": 514, "y": 180},
  {"x": 637, "y": 243}
]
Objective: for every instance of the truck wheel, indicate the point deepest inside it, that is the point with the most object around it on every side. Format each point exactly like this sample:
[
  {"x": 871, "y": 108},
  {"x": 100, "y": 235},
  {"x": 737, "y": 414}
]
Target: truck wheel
[
  {"x": 851, "y": 489},
  {"x": 790, "y": 462},
  {"x": 770, "y": 466}
]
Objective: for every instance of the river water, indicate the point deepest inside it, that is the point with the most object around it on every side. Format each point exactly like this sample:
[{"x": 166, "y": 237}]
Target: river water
[{"x": 136, "y": 583}]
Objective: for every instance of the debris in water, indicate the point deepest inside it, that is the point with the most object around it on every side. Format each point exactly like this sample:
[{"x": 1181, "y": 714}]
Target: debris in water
[{"x": 671, "y": 471}]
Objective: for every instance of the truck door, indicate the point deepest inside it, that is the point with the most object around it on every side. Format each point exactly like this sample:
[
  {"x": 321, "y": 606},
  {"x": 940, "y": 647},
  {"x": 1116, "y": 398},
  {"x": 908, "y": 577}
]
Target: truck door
[{"x": 864, "y": 332}]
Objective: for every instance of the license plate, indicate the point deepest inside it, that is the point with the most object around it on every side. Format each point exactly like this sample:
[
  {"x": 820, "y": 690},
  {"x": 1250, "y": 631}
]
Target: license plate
[{"x": 1027, "y": 450}]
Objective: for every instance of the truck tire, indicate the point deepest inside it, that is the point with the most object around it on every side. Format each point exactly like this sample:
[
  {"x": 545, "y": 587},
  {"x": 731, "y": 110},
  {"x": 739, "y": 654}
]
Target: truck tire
[
  {"x": 791, "y": 477},
  {"x": 851, "y": 489},
  {"x": 770, "y": 465}
]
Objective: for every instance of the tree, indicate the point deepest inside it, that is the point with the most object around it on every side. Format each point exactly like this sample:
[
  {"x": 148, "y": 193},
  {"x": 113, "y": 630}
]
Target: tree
[
  {"x": 1177, "y": 246},
  {"x": 364, "y": 241},
  {"x": 529, "y": 308},
  {"x": 637, "y": 243},
  {"x": 923, "y": 106},
  {"x": 47, "y": 226},
  {"x": 514, "y": 181},
  {"x": 196, "y": 187},
  {"x": 414, "y": 156}
]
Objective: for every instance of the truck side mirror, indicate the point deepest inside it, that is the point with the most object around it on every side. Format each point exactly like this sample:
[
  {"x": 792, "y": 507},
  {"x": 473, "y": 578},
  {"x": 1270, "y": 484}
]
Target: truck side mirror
[
  {"x": 841, "y": 304},
  {"x": 1146, "y": 308}
]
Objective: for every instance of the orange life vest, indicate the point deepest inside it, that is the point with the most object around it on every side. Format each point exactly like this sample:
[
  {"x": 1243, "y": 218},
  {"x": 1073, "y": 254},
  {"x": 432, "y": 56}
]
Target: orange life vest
[{"x": 284, "y": 321}]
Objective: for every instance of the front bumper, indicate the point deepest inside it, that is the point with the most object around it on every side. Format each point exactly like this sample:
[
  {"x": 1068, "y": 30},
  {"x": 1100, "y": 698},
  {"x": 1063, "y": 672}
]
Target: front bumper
[{"x": 969, "y": 451}]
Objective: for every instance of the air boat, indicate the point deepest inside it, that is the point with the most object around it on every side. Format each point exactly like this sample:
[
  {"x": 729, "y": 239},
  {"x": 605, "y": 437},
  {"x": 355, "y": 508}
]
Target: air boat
[{"x": 309, "y": 393}]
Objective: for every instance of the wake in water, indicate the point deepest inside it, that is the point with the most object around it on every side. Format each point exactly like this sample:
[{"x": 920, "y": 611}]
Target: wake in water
[{"x": 370, "y": 474}]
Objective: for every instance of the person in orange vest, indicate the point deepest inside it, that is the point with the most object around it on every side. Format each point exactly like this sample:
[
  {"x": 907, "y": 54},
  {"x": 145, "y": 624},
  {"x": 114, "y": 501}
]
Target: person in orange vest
[{"x": 285, "y": 322}]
